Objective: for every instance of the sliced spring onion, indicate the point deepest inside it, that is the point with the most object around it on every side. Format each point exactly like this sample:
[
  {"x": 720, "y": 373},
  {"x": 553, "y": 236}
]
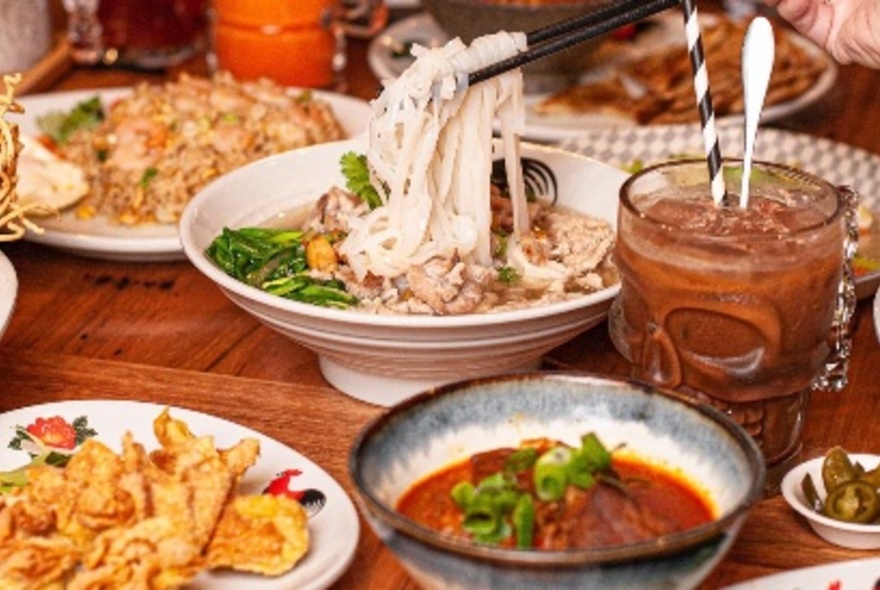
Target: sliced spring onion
[
  {"x": 521, "y": 460},
  {"x": 524, "y": 521},
  {"x": 551, "y": 474},
  {"x": 500, "y": 508},
  {"x": 463, "y": 494}
]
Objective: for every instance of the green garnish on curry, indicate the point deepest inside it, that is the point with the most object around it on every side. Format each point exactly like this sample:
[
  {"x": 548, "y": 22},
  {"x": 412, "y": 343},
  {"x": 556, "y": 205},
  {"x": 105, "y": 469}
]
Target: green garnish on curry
[{"x": 498, "y": 508}]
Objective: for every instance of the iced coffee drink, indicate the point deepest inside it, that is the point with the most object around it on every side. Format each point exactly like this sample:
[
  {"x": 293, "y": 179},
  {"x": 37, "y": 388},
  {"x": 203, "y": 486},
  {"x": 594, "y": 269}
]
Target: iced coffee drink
[{"x": 733, "y": 305}]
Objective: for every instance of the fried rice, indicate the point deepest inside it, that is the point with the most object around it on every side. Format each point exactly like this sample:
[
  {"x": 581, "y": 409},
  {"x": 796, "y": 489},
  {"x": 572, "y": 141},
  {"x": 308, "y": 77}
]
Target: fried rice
[{"x": 159, "y": 146}]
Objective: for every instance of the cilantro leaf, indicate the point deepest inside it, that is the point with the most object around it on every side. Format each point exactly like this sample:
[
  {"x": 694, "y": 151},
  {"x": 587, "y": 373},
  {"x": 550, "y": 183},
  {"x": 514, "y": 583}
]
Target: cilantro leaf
[
  {"x": 357, "y": 177},
  {"x": 60, "y": 126}
]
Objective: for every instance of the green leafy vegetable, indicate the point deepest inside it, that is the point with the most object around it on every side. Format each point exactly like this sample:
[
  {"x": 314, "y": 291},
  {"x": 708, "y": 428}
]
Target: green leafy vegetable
[
  {"x": 357, "y": 178},
  {"x": 60, "y": 126},
  {"x": 274, "y": 260},
  {"x": 501, "y": 243}
]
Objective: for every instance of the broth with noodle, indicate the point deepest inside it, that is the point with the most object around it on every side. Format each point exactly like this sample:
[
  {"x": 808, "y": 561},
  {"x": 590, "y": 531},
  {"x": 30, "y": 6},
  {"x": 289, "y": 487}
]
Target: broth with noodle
[{"x": 422, "y": 227}]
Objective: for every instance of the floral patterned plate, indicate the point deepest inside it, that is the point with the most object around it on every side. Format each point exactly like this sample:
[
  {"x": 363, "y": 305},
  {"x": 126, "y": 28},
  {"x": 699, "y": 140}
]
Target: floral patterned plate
[
  {"x": 333, "y": 521},
  {"x": 858, "y": 574}
]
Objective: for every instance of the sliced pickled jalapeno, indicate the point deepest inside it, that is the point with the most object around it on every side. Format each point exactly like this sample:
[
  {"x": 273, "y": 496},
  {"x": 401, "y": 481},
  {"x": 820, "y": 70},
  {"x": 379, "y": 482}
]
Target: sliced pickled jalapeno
[
  {"x": 837, "y": 468},
  {"x": 872, "y": 477},
  {"x": 853, "y": 501},
  {"x": 853, "y": 492},
  {"x": 812, "y": 494}
]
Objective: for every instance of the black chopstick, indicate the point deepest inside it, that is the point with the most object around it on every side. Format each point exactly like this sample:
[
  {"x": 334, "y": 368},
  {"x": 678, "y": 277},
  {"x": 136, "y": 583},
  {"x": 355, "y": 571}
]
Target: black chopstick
[{"x": 556, "y": 37}]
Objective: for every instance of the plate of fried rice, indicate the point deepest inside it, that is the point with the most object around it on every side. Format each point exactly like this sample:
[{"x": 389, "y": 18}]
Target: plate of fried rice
[{"x": 152, "y": 147}]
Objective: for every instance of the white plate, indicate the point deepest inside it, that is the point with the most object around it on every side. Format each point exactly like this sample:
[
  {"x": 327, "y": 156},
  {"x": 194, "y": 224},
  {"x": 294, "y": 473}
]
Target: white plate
[
  {"x": 838, "y": 163},
  {"x": 877, "y": 314},
  {"x": 98, "y": 237},
  {"x": 8, "y": 291},
  {"x": 423, "y": 29},
  {"x": 334, "y": 529},
  {"x": 858, "y": 574},
  {"x": 382, "y": 55}
]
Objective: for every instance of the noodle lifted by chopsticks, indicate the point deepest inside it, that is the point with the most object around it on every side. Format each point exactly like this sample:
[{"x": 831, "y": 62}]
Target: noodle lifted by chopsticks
[{"x": 430, "y": 155}]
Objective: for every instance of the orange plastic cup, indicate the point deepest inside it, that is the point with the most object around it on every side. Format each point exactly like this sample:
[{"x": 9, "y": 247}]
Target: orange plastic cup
[{"x": 289, "y": 41}]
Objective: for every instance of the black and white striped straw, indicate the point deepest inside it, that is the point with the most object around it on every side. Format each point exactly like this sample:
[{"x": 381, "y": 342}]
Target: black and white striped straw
[{"x": 704, "y": 101}]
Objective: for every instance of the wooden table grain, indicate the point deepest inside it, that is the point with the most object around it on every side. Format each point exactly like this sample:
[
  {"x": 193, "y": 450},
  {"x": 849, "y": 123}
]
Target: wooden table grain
[{"x": 161, "y": 332}]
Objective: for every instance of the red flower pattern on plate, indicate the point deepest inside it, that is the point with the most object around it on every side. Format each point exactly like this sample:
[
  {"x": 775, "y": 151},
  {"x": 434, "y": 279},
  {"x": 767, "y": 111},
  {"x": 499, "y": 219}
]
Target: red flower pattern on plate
[{"x": 54, "y": 432}]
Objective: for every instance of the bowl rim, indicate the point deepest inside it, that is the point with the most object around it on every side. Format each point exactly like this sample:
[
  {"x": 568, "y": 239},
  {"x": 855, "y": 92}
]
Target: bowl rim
[
  {"x": 366, "y": 319},
  {"x": 655, "y": 548},
  {"x": 790, "y": 485}
]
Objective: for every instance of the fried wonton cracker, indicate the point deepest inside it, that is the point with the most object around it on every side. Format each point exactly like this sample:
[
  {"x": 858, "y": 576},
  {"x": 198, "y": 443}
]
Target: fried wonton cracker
[
  {"x": 145, "y": 519},
  {"x": 261, "y": 534}
]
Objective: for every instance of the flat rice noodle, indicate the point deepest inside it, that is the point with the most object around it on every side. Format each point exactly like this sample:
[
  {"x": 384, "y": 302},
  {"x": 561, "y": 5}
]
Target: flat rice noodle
[{"x": 425, "y": 139}]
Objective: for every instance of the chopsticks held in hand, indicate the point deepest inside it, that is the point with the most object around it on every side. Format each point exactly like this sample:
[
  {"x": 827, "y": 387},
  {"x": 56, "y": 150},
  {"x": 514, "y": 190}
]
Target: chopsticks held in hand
[{"x": 556, "y": 37}]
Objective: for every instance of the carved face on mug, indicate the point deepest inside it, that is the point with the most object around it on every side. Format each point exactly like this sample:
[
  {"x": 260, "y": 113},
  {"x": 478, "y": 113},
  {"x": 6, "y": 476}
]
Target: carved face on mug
[{"x": 719, "y": 344}]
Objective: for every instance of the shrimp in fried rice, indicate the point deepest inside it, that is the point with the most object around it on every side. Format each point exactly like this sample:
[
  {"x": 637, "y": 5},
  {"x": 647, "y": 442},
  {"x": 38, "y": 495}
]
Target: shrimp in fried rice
[{"x": 159, "y": 146}]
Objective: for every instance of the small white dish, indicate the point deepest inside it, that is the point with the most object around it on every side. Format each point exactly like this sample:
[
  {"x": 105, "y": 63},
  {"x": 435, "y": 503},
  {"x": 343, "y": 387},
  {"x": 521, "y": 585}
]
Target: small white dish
[
  {"x": 844, "y": 534},
  {"x": 101, "y": 238},
  {"x": 856, "y": 574}
]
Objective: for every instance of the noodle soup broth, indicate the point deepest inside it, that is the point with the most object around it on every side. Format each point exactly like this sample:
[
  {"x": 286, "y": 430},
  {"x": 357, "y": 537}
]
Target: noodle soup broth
[{"x": 385, "y": 358}]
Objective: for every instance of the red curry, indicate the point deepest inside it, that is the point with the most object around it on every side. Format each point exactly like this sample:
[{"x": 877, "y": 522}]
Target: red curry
[{"x": 628, "y": 501}]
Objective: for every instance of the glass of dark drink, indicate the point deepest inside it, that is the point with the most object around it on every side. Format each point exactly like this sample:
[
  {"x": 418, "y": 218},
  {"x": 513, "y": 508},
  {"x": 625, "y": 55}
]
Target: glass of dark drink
[{"x": 747, "y": 308}]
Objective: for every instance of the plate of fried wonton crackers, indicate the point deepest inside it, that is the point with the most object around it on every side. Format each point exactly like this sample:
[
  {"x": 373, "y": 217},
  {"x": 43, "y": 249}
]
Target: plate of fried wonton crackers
[{"x": 129, "y": 494}]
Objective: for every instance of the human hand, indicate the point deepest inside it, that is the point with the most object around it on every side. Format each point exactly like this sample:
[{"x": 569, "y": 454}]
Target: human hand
[{"x": 847, "y": 29}]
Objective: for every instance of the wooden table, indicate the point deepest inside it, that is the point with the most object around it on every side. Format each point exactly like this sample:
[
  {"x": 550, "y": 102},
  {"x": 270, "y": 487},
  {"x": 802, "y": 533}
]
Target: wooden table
[{"x": 161, "y": 332}]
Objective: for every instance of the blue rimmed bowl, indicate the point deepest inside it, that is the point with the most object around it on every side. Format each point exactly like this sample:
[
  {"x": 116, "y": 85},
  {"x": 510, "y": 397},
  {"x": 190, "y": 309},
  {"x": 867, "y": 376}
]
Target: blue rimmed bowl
[{"x": 449, "y": 424}]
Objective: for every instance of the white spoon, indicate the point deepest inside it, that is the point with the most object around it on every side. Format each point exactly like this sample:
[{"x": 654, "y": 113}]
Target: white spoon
[{"x": 757, "y": 63}]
